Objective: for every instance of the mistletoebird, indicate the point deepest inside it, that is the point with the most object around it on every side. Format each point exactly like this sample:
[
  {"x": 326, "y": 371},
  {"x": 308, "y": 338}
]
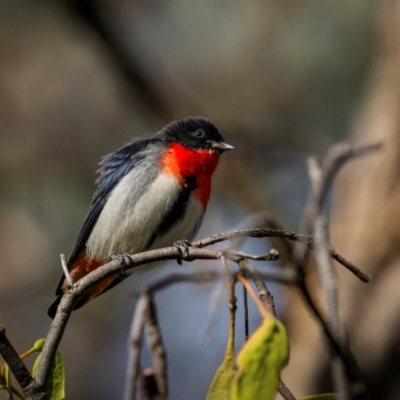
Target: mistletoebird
[{"x": 151, "y": 193}]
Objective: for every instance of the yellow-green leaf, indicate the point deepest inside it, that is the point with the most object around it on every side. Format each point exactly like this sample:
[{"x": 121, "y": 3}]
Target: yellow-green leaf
[
  {"x": 260, "y": 362},
  {"x": 7, "y": 374},
  {"x": 327, "y": 396},
  {"x": 3, "y": 382},
  {"x": 221, "y": 386},
  {"x": 55, "y": 386}
]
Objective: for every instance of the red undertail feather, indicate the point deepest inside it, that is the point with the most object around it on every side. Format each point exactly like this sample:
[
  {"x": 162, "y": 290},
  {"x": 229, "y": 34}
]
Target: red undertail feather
[{"x": 83, "y": 265}]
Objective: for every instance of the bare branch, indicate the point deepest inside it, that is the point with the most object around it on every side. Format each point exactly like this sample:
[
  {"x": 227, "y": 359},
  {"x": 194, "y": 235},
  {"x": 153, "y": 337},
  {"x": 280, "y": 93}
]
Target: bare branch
[
  {"x": 77, "y": 290},
  {"x": 265, "y": 295},
  {"x": 56, "y": 332},
  {"x": 136, "y": 337},
  {"x": 156, "y": 348},
  {"x": 329, "y": 284},
  {"x": 336, "y": 158},
  {"x": 283, "y": 234},
  {"x": 285, "y": 392},
  {"x": 321, "y": 179},
  {"x": 350, "y": 266},
  {"x": 273, "y": 255}
]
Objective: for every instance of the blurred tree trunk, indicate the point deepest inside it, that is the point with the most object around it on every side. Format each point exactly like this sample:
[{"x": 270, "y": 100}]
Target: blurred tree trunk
[
  {"x": 366, "y": 227},
  {"x": 367, "y": 218}
]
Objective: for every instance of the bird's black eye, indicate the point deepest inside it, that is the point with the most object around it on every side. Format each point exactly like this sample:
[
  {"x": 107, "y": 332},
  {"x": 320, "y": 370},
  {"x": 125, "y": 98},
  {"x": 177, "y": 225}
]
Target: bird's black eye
[{"x": 199, "y": 133}]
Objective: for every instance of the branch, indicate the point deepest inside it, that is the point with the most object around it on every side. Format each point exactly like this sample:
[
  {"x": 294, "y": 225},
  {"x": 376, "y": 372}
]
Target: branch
[
  {"x": 136, "y": 337},
  {"x": 156, "y": 348},
  {"x": 336, "y": 158},
  {"x": 141, "y": 318},
  {"x": 283, "y": 234},
  {"x": 28, "y": 385},
  {"x": 77, "y": 290},
  {"x": 265, "y": 295},
  {"x": 321, "y": 179}
]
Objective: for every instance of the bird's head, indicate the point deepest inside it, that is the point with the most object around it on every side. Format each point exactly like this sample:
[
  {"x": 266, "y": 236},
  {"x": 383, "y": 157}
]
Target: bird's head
[{"x": 196, "y": 133}]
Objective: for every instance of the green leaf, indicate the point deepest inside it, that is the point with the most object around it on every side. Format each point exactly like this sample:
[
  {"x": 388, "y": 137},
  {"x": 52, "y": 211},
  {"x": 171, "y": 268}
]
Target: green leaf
[
  {"x": 327, "y": 396},
  {"x": 55, "y": 386},
  {"x": 260, "y": 362},
  {"x": 221, "y": 386}
]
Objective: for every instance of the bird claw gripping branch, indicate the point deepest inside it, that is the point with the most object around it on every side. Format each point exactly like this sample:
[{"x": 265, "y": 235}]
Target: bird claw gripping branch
[{"x": 183, "y": 247}]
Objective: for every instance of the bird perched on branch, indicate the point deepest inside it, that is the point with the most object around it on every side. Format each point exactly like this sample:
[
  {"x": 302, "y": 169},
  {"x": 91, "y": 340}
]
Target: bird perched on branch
[{"x": 151, "y": 193}]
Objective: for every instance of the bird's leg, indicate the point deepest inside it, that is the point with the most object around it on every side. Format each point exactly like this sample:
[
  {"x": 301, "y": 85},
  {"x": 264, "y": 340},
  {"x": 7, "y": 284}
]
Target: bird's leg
[
  {"x": 123, "y": 260},
  {"x": 182, "y": 246}
]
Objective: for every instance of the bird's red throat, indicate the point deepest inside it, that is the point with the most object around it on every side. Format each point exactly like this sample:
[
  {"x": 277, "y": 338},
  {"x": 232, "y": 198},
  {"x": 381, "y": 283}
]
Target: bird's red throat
[{"x": 183, "y": 162}]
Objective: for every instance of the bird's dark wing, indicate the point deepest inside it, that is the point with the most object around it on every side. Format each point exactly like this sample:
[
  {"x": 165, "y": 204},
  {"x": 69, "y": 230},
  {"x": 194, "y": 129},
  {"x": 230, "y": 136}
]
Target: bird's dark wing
[{"x": 113, "y": 168}]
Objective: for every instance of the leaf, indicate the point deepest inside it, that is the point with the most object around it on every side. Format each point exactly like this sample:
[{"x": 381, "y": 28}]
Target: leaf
[
  {"x": 326, "y": 396},
  {"x": 3, "y": 383},
  {"x": 8, "y": 383},
  {"x": 260, "y": 362},
  {"x": 55, "y": 386},
  {"x": 221, "y": 386}
]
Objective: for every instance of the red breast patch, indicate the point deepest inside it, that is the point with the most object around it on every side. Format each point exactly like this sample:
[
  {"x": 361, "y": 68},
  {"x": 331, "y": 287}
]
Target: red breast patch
[{"x": 183, "y": 162}]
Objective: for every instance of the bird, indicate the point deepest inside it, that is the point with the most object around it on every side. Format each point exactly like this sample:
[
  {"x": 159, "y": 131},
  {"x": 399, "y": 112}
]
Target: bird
[{"x": 151, "y": 193}]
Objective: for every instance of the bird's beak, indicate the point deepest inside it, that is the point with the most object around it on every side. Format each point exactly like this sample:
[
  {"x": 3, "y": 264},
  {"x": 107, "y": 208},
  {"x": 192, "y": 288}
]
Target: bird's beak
[{"x": 221, "y": 146}]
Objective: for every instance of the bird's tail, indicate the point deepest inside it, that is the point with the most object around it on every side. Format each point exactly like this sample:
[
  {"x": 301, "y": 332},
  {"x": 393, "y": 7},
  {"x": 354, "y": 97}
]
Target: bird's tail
[
  {"x": 51, "y": 312},
  {"x": 95, "y": 291}
]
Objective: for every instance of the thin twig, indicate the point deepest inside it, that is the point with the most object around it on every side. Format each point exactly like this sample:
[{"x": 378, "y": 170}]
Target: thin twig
[
  {"x": 65, "y": 269},
  {"x": 285, "y": 392},
  {"x": 265, "y": 295},
  {"x": 273, "y": 255},
  {"x": 245, "y": 310}
]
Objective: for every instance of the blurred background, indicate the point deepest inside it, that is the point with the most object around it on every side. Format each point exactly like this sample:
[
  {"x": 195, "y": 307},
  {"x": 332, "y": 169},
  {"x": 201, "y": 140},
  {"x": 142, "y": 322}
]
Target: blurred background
[{"x": 282, "y": 80}]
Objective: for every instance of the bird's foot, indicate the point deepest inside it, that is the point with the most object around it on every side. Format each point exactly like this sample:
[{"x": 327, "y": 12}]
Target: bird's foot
[
  {"x": 124, "y": 260},
  {"x": 183, "y": 247}
]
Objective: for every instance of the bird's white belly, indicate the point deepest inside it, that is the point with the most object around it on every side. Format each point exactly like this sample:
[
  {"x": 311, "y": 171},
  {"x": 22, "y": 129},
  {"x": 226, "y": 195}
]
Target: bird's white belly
[{"x": 126, "y": 224}]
